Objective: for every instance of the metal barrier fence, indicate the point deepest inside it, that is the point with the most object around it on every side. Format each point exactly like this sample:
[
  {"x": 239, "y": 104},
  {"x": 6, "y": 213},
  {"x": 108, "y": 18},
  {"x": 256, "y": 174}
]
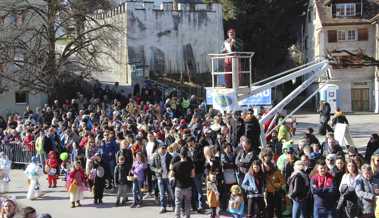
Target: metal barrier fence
[{"x": 17, "y": 153}]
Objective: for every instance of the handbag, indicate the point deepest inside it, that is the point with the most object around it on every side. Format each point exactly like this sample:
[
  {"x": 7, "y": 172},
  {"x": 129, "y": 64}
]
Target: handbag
[{"x": 229, "y": 176}]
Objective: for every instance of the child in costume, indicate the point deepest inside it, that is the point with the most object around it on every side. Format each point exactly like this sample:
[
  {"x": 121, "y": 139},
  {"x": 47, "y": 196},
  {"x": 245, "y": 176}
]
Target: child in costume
[
  {"x": 98, "y": 179},
  {"x": 76, "y": 184},
  {"x": 213, "y": 196},
  {"x": 52, "y": 169},
  {"x": 5, "y": 168},
  {"x": 33, "y": 172},
  {"x": 236, "y": 202}
]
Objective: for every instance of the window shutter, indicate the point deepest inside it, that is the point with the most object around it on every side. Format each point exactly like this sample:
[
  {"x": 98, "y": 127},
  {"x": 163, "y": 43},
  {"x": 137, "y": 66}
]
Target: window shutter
[
  {"x": 358, "y": 9},
  {"x": 332, "y": 35},
  {"x": 333, "y": 9},
  {"x": 362, "y": 34}
]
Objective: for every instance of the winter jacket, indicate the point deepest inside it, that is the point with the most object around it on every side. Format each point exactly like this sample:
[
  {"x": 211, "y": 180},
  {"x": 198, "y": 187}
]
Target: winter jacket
[
  {"x": 298, "y": 186},
  {"x": 339, "y": 118},
  {"x": 127, "y": 154},
  {"x": 197, "y": 156},
  {"x": 324, "y": 191},
  {"x": 109, "y": 151},
  {"x": 366, "y": 196},
  {"x": 274, "y": 181},
  {"x": 348, "y": 201},
  {"x": 250, "y": 186},
  {"x": 253, "y": 132},
  {"x": 156, "y": 165},
  {"x": 244, "y": 160},
  {"x": 121, "y": 173},
  {"x": 138, "y": 170}
]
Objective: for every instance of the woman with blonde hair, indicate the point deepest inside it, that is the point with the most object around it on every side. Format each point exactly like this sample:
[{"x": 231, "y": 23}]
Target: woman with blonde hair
[{"x": 374, "y": 163}]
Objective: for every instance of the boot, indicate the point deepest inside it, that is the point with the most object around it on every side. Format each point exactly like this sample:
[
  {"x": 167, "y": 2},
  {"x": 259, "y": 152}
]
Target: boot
[
  {"x": 72, "y": 204},
  {"x": 78, "y": 204},
  {"x": 118, "y": 202},
  {"x": 95, "y": 201}
]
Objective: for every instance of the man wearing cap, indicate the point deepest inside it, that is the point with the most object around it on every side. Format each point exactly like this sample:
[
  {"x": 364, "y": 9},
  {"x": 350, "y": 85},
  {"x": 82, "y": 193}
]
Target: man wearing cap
[
  {"x": 289, "y": 163},
  {"x": 160, "y": 165},
  {"x": 196, "y": 153},
  {"x": 299, "y": 190}
]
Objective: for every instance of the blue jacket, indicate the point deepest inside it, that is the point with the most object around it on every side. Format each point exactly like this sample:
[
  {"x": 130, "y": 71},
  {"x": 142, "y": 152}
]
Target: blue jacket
[
  {"x": 250, "y": 186},
  {"x": 109, "y": 150}
]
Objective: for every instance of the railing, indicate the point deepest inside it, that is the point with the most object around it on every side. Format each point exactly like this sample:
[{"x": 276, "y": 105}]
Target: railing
[
  {"x": 17, "y": 153},
  {"x": 240, "y": 62}
]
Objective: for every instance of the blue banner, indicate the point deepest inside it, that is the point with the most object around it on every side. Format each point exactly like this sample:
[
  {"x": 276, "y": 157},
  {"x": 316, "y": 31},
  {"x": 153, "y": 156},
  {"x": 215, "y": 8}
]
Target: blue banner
[{"x": 262, "y": 98}]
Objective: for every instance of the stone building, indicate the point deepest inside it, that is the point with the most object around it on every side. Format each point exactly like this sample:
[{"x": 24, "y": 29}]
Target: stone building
[
  {"x": 334, "y": 26},
  {"x": 14, "y": 98},
  {"x": 169, "y": 39}
]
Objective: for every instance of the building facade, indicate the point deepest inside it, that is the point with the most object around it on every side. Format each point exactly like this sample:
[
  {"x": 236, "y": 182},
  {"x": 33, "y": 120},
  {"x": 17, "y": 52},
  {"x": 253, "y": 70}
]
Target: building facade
[
  {"x": 13, "y": 98},
  {"x": 172, "y": 39},
  {"x": 337, "y": 28}
]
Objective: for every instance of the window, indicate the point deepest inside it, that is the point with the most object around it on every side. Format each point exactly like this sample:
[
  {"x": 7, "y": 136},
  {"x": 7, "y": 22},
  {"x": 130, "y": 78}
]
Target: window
[
  {"x": 345, "y": 10},
  {"x": 21, "y": 97},
  {"x": 341, "y": 36},
  {"x": 349, "y": 10},
  {"x": 351, "y": 35},
  {"x": 346, "y": 35}
]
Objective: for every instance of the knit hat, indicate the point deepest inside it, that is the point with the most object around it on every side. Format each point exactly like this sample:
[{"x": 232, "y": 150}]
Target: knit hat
[{"x": 34, "y": 159}]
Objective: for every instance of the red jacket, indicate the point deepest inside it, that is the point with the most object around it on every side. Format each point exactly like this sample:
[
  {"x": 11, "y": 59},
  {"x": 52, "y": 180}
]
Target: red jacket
[{"x": 52, "y": 163}]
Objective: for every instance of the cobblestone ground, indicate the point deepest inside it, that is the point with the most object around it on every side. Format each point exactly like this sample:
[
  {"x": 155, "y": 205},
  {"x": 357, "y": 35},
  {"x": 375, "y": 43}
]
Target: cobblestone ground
[{"x": 56, "y": 201}]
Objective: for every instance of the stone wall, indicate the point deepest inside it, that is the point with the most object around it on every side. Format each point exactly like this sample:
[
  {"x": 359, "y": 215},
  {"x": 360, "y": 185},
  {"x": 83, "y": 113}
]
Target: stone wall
[{"x": 166, "y": 40}]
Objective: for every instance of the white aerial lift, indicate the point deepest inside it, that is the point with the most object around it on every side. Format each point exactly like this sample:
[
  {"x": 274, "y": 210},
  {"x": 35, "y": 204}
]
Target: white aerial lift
[{"x": 318, "y": 70}]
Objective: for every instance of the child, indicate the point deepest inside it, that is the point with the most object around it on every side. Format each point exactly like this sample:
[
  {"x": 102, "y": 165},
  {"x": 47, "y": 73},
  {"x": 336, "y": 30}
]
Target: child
[
  {"x": 213, "y": 196},
  {"x": 121, "y": 173},
  {"x": 52, "y": 169},
  {"x": 138, "y": 169},
  {"x": 253, "y": 184},
  {"x": 33, "y": 172},
  {"x": 76, "y": 184},
  {"x": 98, "y": 179},
  {"x": 236, "y": 202},
  {"x": 5, "y": 167}
]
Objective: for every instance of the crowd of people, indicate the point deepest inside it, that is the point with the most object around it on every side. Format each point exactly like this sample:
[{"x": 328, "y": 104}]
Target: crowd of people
[{"x": 168, "y": 148}]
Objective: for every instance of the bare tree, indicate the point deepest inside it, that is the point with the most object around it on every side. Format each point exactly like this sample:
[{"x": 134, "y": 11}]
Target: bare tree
[
  {"x": 351, "y": 59},
  {"x": 50, "y": 42}
]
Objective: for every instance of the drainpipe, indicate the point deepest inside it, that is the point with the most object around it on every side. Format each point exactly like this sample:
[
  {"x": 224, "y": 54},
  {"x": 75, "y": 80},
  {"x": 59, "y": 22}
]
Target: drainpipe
[{"x": 376, "y": 92}]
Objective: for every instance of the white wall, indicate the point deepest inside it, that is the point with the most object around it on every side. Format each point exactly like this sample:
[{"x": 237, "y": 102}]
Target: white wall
[{"x": 8, "y": 102}]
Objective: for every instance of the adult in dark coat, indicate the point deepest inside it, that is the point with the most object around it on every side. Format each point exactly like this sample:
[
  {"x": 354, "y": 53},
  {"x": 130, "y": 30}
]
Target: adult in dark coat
[
  {"x": 252, "y": 130},
  {"x": 324, "y": 118},
  {"x": 372, "y": 146}
]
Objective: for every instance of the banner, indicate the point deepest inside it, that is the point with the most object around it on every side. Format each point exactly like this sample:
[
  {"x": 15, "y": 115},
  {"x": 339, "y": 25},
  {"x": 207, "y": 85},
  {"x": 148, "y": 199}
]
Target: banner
[
  {"x": 262, "y": 98},
  {"x": 224, "y": 100}
]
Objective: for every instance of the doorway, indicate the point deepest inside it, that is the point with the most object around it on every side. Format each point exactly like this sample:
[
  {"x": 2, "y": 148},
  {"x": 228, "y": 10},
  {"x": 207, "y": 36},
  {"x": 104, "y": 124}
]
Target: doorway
[{"x": 360, "y": 99}]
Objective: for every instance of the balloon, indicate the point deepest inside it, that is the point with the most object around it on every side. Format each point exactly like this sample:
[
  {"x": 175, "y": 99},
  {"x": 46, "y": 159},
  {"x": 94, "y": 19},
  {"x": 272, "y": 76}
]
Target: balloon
[{"x": 63, "y": 156}]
